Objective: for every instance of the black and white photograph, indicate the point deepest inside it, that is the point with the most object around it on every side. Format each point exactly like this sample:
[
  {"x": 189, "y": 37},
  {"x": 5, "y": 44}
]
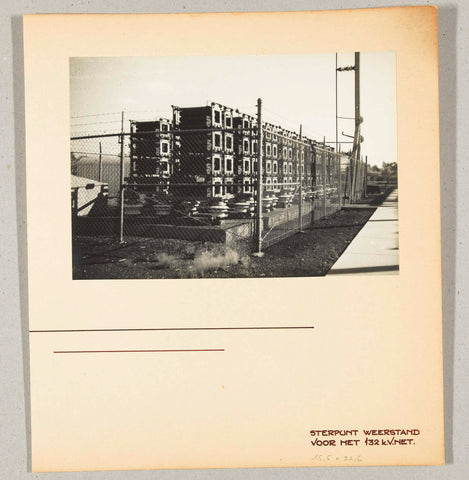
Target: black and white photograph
[{"x": 234, "y": 166}]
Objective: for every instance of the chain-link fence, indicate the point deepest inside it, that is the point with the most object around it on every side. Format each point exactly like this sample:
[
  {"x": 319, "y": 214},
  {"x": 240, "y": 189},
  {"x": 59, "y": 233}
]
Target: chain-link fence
[
  {"x": 99, "y": 167},
  {"x": 201, "y": 185}
]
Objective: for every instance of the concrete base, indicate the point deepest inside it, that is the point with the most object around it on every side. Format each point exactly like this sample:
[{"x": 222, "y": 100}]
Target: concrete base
[
  {"x": 206, "y": 234},
  {"x": 277, "y": 225}
]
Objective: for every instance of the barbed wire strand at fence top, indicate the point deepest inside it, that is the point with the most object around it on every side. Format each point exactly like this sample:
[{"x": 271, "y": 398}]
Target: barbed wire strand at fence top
[
  {"x": 294, "y": 123},
  {"x": 96, "y": 115},
  {"x": 158, "y": 112},
  {"x": 76, "y": 152},
  {"x": 94, "y": 133},
  {"x": 74, "y": 126},
  {"x": 95, "y": 123}
]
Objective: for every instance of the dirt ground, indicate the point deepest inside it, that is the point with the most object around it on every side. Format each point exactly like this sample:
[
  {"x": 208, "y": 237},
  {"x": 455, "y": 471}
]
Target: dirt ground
[{"x": 311, "y": 253}]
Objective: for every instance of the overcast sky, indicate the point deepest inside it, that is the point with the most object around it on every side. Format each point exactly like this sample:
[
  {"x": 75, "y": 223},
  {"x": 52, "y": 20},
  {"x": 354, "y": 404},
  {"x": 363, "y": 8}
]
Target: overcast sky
[{"x": 295, "y": 89}]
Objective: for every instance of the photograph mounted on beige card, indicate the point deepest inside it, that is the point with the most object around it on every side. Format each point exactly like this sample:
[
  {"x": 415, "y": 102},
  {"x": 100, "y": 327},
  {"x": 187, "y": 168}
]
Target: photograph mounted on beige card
[{"x": 233, "y": 279}]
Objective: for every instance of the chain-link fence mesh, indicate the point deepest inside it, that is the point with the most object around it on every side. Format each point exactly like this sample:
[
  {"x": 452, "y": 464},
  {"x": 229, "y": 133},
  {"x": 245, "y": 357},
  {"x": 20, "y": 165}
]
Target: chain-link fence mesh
[
  {"x": 98, "y": 169},
  {"x": 201, "y": 185}
]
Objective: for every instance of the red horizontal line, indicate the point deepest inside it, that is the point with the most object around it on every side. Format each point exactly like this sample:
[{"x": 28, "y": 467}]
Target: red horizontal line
[
  {"x": 142, "y": 351},
  {"x": 169, "y": 329}
]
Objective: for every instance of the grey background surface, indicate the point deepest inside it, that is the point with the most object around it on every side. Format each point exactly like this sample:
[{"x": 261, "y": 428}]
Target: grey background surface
[{"x": 454, "y": 107}]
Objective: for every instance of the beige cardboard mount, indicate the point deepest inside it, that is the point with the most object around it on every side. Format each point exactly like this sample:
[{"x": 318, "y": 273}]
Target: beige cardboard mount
[{"x": 373, "y": 360}]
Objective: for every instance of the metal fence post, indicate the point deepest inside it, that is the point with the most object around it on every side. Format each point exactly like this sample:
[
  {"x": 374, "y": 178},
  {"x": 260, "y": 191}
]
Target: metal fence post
[
  {"x": 355, "y": 179},
  {"x": 352, "y": 176},
  {"x": 100, "y": 163},
  {"x": 324, "y": 173},
  {"x": 300, "y": 192},
  {"x": 365, "y": 181},
  {"x": 74, "y": 203},
  {"x": 362, "y": 179},
  {"x": 340, "y": 181},
  {"x": 260, "y": 139},
  {"x": 121, "y": 184}
]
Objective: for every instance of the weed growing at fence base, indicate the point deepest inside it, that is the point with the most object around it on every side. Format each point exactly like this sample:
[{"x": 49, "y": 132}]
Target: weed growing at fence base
[
  {"x": 209, "y": 261},
  {"x": 163, "y": 260}
]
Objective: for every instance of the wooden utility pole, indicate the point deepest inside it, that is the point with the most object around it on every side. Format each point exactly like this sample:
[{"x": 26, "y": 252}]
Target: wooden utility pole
[
  {"x": 337, "y": 128},
  {"x": 357, "y": 89},
  {"x": 357, "y": 124},
  {"x": 336, "y": 110}
]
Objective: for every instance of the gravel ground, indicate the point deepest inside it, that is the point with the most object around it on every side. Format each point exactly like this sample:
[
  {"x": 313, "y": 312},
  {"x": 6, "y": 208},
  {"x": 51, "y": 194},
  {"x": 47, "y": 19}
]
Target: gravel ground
[{"x": 311, "y": 253}]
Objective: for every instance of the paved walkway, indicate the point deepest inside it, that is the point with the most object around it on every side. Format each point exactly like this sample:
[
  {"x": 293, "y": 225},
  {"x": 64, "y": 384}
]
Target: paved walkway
[{"x": 375, "y": 250}]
